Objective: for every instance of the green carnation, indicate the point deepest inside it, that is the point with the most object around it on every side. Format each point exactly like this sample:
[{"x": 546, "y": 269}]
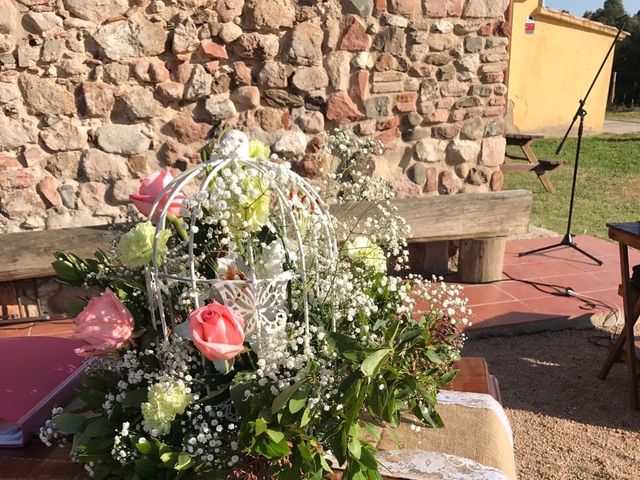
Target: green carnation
[
  {"x": 258, "y": 150},
  {"x": 253, "y": 213},
  {"x": 165, "y": 401},
  {"x": 363, "y": 250},
  {"x": 136, "y": 246}
]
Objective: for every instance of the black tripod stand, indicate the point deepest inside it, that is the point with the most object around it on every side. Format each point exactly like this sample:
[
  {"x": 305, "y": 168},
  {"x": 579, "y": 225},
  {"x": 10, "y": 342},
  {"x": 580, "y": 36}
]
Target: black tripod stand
[{"x": 581, "y": 113}]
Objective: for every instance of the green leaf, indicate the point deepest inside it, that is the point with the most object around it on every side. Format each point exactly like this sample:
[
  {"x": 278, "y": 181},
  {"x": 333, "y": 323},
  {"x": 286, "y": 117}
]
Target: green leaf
[
  {"x": 359, "y": 476},
  {"x": 374, "y": 431},
  {"x": 99, "y": 427},
  {"x": 169, "y": 458},
  {"x": 91, "y": 398},
  {"x": 100, "y": 471},
  {"x": 135, "y": 398},
  {"x": 146, "y": 468},
  {"x": 275, "y": 435},
  {"x": 371, "y": 364},
  {"x": 184, "y": 461},
  {"x": 345, "y": 346},
  {"x": 69, "y": 423},
  {"x": 368, "y": 459},
  {"x": 306, "y": 417},
  {"x": 355, "y": 447},
  {"x": 66, "y": 271},
  {"x": 270, "y": 449},
  {"x": 144, "y": 448},
  {"x": 284, "y": 396},
  {"x": 433, "y": 356},
  {"x": 409, "y": 336},
  {"x": 298, "y": 400},
  {"x": 261, "y": 426},
  {"x": 447, "y": 378}
]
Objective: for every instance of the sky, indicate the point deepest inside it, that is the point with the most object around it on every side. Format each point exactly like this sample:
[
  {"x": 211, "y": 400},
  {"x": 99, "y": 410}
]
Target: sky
[{"x": 578, "y": 7}]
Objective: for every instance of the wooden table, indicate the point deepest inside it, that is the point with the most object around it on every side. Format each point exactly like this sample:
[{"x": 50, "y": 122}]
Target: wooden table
[
  {"x": 627, "y": 235},
  {"x": 539, "y": 165},
  {"x": 37, "y": 462}
]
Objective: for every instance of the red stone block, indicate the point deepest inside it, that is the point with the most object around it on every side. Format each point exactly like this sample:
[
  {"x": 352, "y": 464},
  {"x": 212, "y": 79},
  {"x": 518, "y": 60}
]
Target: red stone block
[
  {"x": 359, "y": 89},
  {"x": 432, "y": 180},
  {"x": 355, "y": 37},
  {"x": 406, "y": 102},
  {"x": 388, "y": 123},
  {"x": 493, "y": 77},
  {"x": 497, "y": 181},
  {"x": 214, "y": 50},
  {"x": 487, "y": 29},
  {"x": 494, "y": 111},
  {"x": 381, "y": 6},
  {"x": 406, "y": 7},
  {"x": 17, "y": 179},
  {"x": 8, "y": 161},
  {"x": 212, "y": 66},
  {"x": 437, "y": 116},
  {"x": 48, "y": 188},
  {"x": 389, "y": 137},
  {"x": 342, "y": 109},
  {"x": 444, "y": 8}
]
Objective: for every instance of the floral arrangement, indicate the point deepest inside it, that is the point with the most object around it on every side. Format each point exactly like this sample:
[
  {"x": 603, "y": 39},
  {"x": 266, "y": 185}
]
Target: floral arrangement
[{"x": 245, "y": 333}]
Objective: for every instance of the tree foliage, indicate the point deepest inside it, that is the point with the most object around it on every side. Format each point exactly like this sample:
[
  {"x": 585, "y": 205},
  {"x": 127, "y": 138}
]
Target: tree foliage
[
  {"x": 627, "y": 55},
  {"x": 608, "y": 14}
]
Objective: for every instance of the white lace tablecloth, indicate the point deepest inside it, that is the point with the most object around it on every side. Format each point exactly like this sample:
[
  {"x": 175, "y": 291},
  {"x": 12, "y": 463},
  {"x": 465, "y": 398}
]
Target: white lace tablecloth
[{"x": 421, "y": 465}]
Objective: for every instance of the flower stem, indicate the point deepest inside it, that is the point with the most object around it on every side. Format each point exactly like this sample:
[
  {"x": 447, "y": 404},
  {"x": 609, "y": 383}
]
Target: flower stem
[{"x": 177, "y": 224}]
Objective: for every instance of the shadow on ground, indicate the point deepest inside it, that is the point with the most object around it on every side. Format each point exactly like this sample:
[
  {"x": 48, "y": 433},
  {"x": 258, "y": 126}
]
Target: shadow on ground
[
  {"x": 567, "y": 423},
  {"x": 556, "y": 374}
]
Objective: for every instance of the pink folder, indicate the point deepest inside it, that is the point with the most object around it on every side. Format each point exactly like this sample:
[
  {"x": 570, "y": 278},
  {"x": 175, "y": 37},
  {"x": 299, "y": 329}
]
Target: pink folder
[{"x": 36, "y": 375}]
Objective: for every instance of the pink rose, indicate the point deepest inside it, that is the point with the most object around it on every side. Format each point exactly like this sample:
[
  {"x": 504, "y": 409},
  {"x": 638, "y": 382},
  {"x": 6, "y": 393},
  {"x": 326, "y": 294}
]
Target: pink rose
[
  {"x": 216, "y": 331},
  {"x": 105, "y": 323},
  {"x": 150, "y": 189}
]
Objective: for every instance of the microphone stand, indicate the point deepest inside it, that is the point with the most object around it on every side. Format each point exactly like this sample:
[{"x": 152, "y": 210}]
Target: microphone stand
[{"x": 581, "y": 113}]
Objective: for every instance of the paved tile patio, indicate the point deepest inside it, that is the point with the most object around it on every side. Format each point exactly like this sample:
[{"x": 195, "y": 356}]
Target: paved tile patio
[{"x": 512, "y": 302}]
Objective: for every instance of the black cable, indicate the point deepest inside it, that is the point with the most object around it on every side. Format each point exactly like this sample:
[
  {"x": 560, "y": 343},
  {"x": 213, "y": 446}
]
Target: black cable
[{"x": 563, "y": 291}]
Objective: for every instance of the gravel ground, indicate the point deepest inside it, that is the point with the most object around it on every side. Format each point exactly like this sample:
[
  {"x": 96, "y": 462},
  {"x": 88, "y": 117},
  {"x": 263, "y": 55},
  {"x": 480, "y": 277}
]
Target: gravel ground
[{"x": 567, "y": 423}]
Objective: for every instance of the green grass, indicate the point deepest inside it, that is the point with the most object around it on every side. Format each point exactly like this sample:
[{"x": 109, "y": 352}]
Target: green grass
[
  {"x": 608, "y": 188},
  {"x": 624, "y": 116}
]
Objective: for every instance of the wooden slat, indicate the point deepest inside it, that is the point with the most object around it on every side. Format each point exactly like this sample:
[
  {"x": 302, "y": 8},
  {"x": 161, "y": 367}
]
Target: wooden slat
[
  {"x": 29, "y": 254},
  {"x": 522, "y": 136},
  {"x": 456, "y": 217}
]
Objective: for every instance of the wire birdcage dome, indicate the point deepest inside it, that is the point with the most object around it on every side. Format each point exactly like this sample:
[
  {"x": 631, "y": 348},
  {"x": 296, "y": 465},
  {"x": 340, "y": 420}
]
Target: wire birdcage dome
[{"x": 297, "y": 214}]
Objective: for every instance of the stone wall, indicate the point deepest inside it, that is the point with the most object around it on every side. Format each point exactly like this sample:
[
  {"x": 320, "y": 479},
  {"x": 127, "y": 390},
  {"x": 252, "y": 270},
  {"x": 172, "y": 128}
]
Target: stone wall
[{"x": 96, "y": 93}]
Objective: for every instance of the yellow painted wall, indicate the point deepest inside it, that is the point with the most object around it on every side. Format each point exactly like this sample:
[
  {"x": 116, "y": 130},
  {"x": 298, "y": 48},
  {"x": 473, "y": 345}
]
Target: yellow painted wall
[{"x": 552, "y": 69}]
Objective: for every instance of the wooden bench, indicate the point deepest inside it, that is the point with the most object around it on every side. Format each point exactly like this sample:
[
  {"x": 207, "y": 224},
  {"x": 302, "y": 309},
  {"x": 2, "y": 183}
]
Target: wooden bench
[
  {"x": 534, "y": 164},
  {"x": 480, "y": 221}
]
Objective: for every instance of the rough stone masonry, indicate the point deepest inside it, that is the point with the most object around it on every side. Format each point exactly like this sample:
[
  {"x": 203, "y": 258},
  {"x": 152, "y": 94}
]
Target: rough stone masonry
[{"x": 95, "y": 94}]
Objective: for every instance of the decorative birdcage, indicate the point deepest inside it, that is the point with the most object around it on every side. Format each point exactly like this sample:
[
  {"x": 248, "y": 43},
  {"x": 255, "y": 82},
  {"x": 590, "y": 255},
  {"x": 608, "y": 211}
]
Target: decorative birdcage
[{"x": 297, "y": 215}]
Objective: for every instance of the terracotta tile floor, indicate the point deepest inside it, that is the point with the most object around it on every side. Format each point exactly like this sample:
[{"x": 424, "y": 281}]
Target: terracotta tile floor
[
  {"x": 54, "y": 328},
  {"x": 510, "y": 302}
]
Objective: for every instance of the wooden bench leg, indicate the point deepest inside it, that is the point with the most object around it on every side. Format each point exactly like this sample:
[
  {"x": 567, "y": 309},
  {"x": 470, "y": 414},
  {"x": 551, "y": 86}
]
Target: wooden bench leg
[
  {"x": 481, "y": 260},
  {"x": 542, "y": 176},
  {"x": 546, "y": 181},
  {"x": 429, "y": 258}
]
